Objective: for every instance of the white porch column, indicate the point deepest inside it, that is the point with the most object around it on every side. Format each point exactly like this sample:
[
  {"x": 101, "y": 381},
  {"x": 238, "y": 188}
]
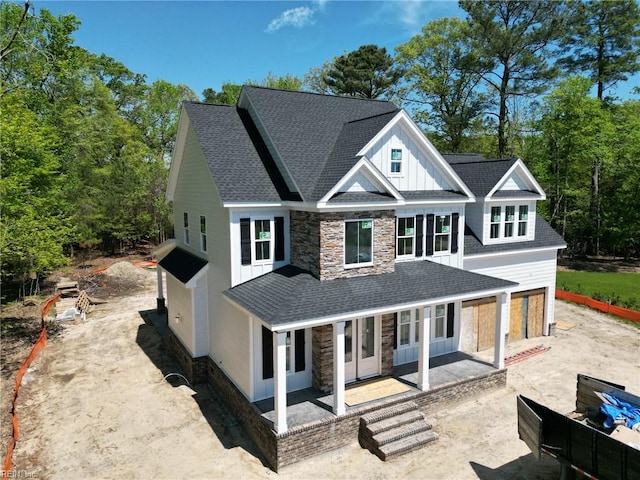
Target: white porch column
[
  {"x": 161, "y": 306},
  {"x": 280, "y": 381},
  {"x": 503, "y": 302},
  {"x": 423, "y": 349},
  {"x": 338, "y": 368}
]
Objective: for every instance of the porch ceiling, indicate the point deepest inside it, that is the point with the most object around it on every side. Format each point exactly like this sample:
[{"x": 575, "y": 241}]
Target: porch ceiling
[{"x": 293, "y": 295}]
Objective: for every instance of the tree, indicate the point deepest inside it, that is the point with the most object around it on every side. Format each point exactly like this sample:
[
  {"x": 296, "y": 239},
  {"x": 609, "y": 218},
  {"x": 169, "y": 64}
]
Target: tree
[
  {"x": 515, "y": 36},
  {"x": 314, "y": 79},
  {"x": 227, "y": 96},
  {"x": 443, "y": 72},
  {"x": 230, "y": 92},
  {"x": 368, "y": 72},
  {"x": 603, "y": 39}
]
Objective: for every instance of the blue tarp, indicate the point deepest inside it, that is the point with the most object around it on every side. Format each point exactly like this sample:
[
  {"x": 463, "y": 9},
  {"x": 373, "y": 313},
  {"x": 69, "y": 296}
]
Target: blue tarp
[{"x": 619, "y": 412}]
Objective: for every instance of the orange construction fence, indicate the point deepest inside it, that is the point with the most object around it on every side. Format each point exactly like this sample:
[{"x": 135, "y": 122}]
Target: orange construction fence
[
  {"x": 35, "y": 350},
  {"x": 626, "y": 313}
]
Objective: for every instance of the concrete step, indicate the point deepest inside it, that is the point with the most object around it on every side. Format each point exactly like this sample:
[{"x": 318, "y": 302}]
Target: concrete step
[
  {"x": 401, "y": 431},
  {"x": 405, "y": 445}
]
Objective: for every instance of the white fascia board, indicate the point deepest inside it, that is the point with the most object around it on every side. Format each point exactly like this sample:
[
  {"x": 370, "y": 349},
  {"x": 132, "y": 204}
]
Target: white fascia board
[
  {"x": 388, "y": 309},
  {"x": 178, "y": 152},
  {"x": 512, "y": 199},
  {"x": 246, "y": 100},
  {"x": 428, "y": 203},
  {"x": 254, "y": 205},
  {"x": 522, "y": 168},
  {"x": 421, "y": 139},
  {"x": 191, "y": 284},
  {"x": 363, "y": 164},
  {"x": 512, "y": 252}
]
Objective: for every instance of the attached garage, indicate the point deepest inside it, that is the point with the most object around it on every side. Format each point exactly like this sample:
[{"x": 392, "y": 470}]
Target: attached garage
[
  {"x": 526, "y": 319},
  {"x": 479, "y": 317}
]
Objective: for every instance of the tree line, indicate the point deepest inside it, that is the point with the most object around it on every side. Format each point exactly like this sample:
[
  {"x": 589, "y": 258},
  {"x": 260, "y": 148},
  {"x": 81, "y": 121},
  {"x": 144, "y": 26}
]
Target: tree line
[{"x": 86, "y": 142}]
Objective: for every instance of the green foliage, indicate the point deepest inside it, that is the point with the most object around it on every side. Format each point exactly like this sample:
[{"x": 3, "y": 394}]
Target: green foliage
[
  {"x": 603, "y": 40},
  {"x": 368, "y": 72},
  {"x": 617, "y": 288},
  {"x": 227, "y": 96},
  {"x": 443, "y": 73}
]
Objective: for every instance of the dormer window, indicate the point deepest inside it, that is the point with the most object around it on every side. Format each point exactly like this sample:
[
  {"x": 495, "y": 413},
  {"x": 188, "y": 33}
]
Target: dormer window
[
  {"x": 396, "y": 161},
  {"x": 496, "y": 218},
  {"x": 510, "y": 216},
  {"x": 509, "y": 222},
  {"x": 523, "y": 217}
]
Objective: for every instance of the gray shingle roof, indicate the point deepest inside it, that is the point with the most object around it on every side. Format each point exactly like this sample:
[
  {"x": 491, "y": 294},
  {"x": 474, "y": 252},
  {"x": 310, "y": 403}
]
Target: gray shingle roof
[
  {"x": 452, "y": 158},
  {"x": 291, "y": 294},
  {"x": 182, "y": 264},
  {"x": 516, "y": 193},
  {"x": 482, "y": 176},
  {"x": 242, "y": 168},
  {"x": 545, "y": 237},
  {"x": 433, "y": 195},
  {"x": 305, "y": 127},
  {"x": 358, "y": 197}
]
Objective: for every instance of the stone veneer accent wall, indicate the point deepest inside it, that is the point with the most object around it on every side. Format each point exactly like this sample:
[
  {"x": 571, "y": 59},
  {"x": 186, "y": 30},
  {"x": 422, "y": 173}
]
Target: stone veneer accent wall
[
  {"x": 322, "y": 357},
  {"x": 388, "y": 333},
  {"x": 317, "y": 243}
]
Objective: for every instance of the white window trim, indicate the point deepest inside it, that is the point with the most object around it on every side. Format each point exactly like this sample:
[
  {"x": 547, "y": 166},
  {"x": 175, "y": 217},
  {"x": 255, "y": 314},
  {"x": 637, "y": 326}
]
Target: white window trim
[
  {"x": 344, "y": 243},
  {"x": 270, "y": 260},
  {"x": 413, "y": 236},
  {"x": 519, "y": 221},
  {"x": 401, "y": 161},
  {"x": 503, "y": 222},
  {"x": 414, "y": 322},
  {"x": 436, "y": 234},
  {"x": 432, "y": 334}
]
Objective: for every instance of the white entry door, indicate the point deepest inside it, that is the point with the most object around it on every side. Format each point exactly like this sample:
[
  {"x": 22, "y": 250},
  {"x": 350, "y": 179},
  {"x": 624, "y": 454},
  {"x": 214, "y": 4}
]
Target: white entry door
[{"x": 361, "y": 348}]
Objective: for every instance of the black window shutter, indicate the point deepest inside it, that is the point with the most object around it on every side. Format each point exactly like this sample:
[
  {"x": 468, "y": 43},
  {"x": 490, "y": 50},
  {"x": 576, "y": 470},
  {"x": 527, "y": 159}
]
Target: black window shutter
[
  {"x": 450, "y": 316},
  {"x": 430, "y": 233},
  {"x": 300, "y": 353},
  {"x": 267, "y": 353},
  {"x": 279, "y": 221},
  {"x": 245, "y": 240},
  {"x": 419, "y": 234},
  {"x": 454, "y": 232},
  {"x": 395, "y": 331}
]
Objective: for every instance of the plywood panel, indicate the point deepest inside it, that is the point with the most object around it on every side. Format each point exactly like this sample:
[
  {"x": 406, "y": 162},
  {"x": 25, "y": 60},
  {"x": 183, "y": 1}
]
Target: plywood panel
[
  {"x": 515, "y": 319},
  {"x": 535, "y": 320},
  {"x": 486, "y": 325}
]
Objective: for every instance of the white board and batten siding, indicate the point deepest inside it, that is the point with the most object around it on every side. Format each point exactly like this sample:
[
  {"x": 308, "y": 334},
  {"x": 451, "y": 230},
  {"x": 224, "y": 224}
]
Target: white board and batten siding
[
  {"x": 418, "y": 171},
  {"x": 264, "y": 388},
  {"x": 243, "y": 273}
]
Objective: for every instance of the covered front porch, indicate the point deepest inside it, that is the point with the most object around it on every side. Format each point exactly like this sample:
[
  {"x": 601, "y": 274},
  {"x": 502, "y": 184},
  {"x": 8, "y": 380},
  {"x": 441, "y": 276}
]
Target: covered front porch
[{"x": 449, "y": 375}]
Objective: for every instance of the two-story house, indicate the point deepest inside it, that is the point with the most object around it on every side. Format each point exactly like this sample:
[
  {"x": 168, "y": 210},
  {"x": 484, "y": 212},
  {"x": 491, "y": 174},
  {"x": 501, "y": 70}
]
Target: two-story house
[{"x": 323, "y": 240}]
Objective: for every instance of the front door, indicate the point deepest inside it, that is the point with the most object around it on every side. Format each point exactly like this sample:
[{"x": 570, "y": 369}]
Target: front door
[{"x": 361, "y": 348}]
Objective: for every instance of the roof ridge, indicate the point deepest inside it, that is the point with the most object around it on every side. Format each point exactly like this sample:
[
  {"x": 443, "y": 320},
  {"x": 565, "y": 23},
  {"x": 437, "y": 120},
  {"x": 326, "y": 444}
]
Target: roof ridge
[
  {"x": 394, "y": 112},
  {"x": 327, "y": 95},
  {"x": 193, "y": 102}
]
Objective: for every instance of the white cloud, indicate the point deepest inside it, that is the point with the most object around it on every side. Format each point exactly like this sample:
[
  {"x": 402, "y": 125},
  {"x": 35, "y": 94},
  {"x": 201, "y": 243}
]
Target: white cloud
[{"x": 294, "y": 17}]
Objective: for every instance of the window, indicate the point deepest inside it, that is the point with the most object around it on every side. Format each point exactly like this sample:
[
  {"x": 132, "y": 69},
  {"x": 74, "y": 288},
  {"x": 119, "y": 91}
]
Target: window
[
  {"x": 405, "y": 236},
  {"x": 396, "y": 161},
  {"x": 409, "y": 328},
  {"x": 523, "y": 216},
  {"x": 496, "y": 218},
  {"x": 262, "y": 239},
  {"x": 510, "y": 213},
  {"x": 288, "y": 354},
  {"x": 258, "y": 243},
  {"x": 358, "y": 243},
  {"x": 186, "y": 227},
  {"x": 443, "y": 230},
  {"x": 295, "y": 352},
  {"x": 203, "y": 233},
  {"x": 441, "y": 313}
]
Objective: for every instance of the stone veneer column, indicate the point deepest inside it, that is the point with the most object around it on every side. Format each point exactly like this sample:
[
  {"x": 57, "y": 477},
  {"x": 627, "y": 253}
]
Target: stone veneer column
[
  {"x": 388, "y": 334},
  {"x": 322, "y": 357}
]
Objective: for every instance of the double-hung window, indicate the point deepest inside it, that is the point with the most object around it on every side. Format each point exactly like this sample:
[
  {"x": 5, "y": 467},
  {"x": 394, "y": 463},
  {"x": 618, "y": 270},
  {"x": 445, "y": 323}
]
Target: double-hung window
[
  {"x": 405, "y": 236},
  {"x": 523, "y": 216},
  {"x": 203, "y": 233},
  {"x": 496, "y": 218},
  {"x": 409, "y": 328},
  {"x": 262, "y": 240},
  {"x": 395, "y": 166},
  {"x": 442, "y": 233},
  {"x": 358, "y": 242},
  {"x": 185, "y": 223},
  {"x": 509, "y": 219},
  {"x": 439, "y": 319}
]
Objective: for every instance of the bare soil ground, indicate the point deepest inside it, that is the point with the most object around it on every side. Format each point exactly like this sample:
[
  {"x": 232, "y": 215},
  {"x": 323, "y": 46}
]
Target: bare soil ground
[{"x": 96, "y": 405}]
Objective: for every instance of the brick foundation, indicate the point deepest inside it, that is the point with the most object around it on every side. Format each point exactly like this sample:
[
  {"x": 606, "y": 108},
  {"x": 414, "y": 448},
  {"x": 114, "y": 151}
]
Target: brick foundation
[{"x": 195, "y": 369}]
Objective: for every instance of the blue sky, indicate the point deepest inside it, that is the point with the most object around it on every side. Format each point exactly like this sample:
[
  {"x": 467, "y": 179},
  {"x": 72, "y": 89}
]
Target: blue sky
[{"x": 205, "y": 43}]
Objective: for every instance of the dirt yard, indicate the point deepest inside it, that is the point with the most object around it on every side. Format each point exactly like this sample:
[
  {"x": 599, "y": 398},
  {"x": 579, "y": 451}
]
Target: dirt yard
[{"x": 95, "y": 405}]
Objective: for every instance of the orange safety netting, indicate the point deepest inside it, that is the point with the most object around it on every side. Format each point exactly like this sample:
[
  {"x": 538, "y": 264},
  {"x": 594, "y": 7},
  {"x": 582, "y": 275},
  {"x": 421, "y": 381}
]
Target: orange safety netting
[
  {"x": 35, "y": 350},
  {"x": 626, "y": 313}
]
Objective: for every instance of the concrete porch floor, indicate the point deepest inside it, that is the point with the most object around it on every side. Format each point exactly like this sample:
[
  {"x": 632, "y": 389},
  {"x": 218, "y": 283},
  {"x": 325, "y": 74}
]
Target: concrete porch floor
[{"x": 310, "y": 405}]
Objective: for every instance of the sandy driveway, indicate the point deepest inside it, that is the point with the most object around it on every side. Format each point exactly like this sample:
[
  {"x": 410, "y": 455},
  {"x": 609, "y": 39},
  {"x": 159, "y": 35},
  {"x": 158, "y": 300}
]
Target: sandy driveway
[{"x": 96, "y": 406}]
